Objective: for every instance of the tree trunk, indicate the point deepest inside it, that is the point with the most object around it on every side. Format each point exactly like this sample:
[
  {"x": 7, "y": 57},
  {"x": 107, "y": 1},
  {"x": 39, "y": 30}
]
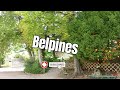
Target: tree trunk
[
  {"x": 40, "y": 55},
  {"x": 54, "y": 54},
  {"x": 77, "y": 69},
  {"x": 43, "y": 53},
  {"x": 0, "y": 63},
  {"x": 31, "y": 54}
]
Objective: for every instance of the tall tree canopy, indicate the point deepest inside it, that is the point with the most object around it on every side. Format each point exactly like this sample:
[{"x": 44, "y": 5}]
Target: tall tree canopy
[
  {"x": 92, "y": 31},
  {"x": 43, "y": 24},
  {"x": 8, "y": 31}
]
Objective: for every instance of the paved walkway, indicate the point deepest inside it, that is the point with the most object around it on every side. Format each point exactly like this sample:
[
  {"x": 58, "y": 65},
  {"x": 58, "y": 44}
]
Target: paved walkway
[
  {"x": 19, "y": 74},
  {"x": 11, "y": 69}
]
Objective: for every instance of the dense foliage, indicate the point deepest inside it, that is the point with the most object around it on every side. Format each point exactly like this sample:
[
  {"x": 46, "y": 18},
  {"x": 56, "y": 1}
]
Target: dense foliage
[{"x": 94, "y": 32}]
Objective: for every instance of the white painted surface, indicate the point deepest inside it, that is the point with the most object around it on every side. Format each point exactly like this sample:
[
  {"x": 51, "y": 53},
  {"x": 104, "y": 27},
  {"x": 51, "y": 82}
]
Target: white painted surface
[{"x": 11, "y": 69}]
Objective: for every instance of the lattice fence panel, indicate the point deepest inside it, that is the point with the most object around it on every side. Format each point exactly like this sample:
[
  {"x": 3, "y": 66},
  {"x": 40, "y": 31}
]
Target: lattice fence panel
[{"x": 109, "y": 67}]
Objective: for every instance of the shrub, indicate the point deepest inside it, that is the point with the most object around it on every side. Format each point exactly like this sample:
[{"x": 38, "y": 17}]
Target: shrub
[
  {"x": 17, "y": 56},
  {"x": 48, "y": 54},
  {"x": 55, "y": 59},
  {"x": 2, "y": 61},
  {"x": 33, "y": 67}
]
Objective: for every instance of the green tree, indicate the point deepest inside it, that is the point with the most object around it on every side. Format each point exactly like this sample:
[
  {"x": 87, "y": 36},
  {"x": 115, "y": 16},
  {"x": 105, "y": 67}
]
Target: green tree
[
  {"x": 8, "y": 31},
  {"x": 92, "y": 30},
  {"x": 43, "y": 24}
]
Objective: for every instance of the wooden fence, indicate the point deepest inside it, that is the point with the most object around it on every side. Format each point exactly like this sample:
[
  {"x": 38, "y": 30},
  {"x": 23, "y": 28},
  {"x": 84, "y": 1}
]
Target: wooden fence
[
  {"x": 90, "y": 66},
  {"x": 107, "y": 67}
]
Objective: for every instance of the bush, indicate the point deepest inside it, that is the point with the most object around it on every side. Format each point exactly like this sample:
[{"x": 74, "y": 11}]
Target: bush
[
  {"x": 48, "y": 54},
  {"x": 55, "y": 59},
  {"x": 33, "y": 67},
  {"x": 17, "y": 56},
  {"x": 2, "y": 61}
]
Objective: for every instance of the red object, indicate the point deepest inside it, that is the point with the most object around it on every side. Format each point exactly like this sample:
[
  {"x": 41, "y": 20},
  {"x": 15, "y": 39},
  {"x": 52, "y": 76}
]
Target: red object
[
  {"x": 115, "y": 74},
  {"x": 44, "y": 64}
]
